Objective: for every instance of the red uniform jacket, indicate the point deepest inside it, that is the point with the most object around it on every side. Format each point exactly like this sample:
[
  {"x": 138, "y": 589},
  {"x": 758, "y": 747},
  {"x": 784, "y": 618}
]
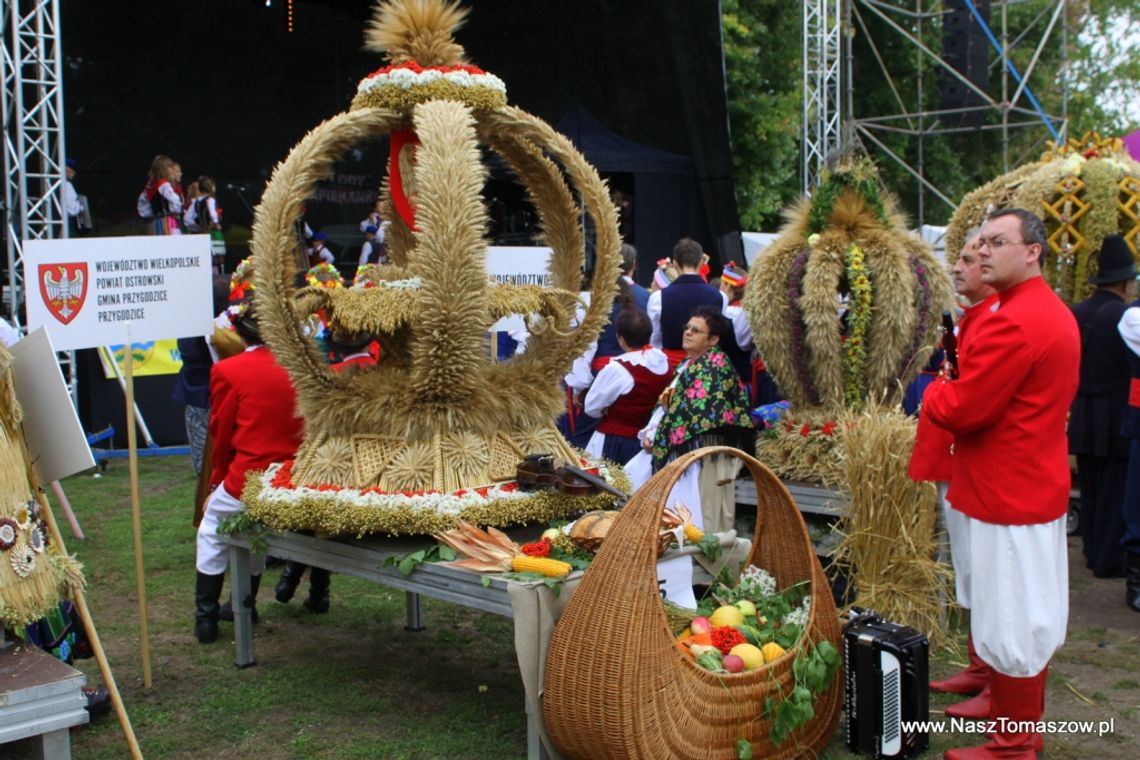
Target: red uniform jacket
[
  {"x": 930, "y": 459},
  {"x": 253, "y": 418},
  {"x": 1008, "y": 407}
]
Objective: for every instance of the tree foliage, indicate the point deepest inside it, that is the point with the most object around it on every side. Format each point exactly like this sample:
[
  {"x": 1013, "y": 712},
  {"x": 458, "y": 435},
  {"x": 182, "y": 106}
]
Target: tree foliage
[
  {"x": 762, "y": 63},
  {"x": 762, "y": 49}
]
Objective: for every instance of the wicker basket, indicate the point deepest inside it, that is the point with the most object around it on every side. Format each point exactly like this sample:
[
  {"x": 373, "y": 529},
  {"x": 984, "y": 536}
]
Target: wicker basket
[{"x": 616, "y": 686}]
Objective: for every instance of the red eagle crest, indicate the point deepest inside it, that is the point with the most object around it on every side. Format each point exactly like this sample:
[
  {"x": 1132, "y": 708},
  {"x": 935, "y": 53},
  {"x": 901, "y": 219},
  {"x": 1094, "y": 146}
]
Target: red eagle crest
[{"x": 63, "y": 288}]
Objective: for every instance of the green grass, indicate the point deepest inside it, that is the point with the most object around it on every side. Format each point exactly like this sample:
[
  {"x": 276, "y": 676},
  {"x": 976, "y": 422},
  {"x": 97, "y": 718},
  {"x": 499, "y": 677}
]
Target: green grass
[{"x": 355, "y": 684}]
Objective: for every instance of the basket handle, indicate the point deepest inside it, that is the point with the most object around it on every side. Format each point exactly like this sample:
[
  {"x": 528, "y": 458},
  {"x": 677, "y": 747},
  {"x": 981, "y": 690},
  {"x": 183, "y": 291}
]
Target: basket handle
[{"x": 776, "y": 513}]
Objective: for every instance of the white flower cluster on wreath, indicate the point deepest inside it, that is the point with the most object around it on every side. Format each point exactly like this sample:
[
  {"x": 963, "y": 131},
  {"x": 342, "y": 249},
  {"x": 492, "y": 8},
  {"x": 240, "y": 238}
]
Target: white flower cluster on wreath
[
  {"x": 756, "y": 583},
  {"x": 406, "y": 79},
  {"x": 411, "y": 283},
  {"x": 799, "y": 616}
]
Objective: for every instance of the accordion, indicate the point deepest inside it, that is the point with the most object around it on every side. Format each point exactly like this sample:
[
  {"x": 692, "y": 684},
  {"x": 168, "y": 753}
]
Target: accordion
[{"x": 885, "y": 685}]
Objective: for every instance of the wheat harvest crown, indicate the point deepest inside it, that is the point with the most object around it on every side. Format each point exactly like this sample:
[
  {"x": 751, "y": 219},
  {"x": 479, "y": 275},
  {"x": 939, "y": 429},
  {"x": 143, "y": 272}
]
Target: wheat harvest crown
[{"x": 435, "y": 417}]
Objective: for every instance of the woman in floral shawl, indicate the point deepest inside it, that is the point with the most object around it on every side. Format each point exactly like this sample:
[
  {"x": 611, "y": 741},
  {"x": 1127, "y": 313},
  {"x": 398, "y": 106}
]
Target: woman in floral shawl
[{"x": 704, "y": 406}]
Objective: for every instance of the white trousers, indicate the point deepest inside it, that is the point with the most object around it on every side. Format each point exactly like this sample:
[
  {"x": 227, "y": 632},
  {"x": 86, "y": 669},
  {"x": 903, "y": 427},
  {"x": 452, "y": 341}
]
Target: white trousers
[
  {"x": 676, "y": 575},
  {"x": 1019, "y": 592},
  {"x": 959, "y": 535},
  {"x": 213, "y": 555}
]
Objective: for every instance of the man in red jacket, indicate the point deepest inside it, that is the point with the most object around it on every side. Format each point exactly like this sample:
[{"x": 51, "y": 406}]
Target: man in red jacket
[
  {"x": 253, "y": 424},
  {"x": 1007, "y": 411},
  {"x": 931, "y": 458}
]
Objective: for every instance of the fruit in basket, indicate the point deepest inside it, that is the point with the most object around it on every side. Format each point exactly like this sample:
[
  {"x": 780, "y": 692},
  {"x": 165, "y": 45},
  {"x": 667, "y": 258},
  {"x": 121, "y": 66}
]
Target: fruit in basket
[
  {"x": 726, "y": 615},
  {"x": 772, "y": 651},
  {"x": 751, "y": 634},
  {"x": 733, "y": 663},
  {"x": 710, "y": 660},
  {"x": 726, "y": 637},
  {"x": 747, "y": 607},
  {"x": 700, "y": 624},
  {"x": 696, "y": 650},
  {"x": 551, "y": 534},
  {"x": 751, "y": 654}
]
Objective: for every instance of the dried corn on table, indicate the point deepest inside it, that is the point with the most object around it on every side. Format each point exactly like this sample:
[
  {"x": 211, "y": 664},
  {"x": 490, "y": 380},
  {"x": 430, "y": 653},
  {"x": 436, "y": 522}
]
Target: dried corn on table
[{"x": 533, "y": 607}]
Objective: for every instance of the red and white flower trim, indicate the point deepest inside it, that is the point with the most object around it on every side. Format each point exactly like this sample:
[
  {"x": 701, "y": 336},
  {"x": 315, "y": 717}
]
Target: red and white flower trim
[
  {"x": 277, "y": 486},
  {"x": 406, "y": 76}
]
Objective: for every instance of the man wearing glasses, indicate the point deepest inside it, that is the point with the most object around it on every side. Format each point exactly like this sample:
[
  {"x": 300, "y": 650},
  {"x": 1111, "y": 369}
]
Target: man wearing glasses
[{"x": 1007, "y": 411}]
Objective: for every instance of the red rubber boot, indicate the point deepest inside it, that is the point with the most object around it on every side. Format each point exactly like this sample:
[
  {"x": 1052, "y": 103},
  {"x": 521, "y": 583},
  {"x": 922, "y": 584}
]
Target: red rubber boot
[
  {"x": 1016, "y": 704},
  {"x": 969, "y": 681}
]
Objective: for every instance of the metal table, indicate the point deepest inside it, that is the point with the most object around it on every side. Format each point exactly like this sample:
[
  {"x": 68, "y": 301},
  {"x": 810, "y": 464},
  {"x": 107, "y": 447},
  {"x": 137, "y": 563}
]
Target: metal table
[
  {"x": 810, "y": 498},
  {"x": 364, "y": 558},
  {"x": 40, "y": 696}
]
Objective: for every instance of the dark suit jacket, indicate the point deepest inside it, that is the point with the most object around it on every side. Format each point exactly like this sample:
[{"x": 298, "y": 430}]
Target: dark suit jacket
[{"x": 1102, "y": 397}]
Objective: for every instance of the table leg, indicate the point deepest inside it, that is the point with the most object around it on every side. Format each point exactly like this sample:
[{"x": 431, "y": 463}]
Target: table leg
[
  {"x": 535, "y": 749},
  {"x": 414, "y": 620},
  {"x": 55, "y": 745},
  {"x": 243, "y": 617}
]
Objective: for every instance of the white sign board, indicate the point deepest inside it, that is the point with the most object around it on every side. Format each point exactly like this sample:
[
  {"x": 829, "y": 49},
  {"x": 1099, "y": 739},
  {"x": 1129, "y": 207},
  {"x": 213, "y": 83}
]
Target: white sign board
[
  {"x": 519, "y": 264},
  {"x": 56, "y": 442},
  {"x": 754, "y": 245},
  {"x": 90, "y": 291}
]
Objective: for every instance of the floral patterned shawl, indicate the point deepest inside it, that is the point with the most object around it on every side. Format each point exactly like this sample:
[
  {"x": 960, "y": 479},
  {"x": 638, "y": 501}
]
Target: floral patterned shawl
[{"x": 707, "y": 397}]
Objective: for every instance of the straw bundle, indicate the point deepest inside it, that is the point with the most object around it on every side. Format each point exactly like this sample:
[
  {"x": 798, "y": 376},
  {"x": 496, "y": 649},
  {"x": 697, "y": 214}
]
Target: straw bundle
[
  {"x": 890, "y": 537},
  {"x": 33, "y": 576},
  {"x": 805, "y": 445}
]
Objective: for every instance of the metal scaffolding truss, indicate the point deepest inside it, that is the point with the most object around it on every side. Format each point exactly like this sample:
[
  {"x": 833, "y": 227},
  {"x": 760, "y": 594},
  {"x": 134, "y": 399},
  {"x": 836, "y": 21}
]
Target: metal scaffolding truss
[
  {"x": 32, "y": 104},
  {"x": 822, "y": 87},
  {"x": 1015, "y": 104}
]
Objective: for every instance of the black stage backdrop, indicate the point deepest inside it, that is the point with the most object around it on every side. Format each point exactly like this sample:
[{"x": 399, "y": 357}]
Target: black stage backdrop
[{"x": 223, "y": 87}]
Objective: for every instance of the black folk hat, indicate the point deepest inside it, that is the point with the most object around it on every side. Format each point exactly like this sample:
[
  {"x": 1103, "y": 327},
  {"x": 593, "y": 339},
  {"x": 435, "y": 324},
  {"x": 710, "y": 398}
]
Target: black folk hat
[{"x": 1114, "y": 262}]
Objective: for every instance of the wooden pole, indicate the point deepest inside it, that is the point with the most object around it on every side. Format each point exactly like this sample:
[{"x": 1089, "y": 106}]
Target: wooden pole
[
  {"x": 80, "y": 601},
  {"x": 65, "y": 505},
  {"x": 136, "y": 514}
]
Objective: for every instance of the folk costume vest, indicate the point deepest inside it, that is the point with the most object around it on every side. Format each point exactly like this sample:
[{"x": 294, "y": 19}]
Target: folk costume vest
[{"x": 632, "y": 410}]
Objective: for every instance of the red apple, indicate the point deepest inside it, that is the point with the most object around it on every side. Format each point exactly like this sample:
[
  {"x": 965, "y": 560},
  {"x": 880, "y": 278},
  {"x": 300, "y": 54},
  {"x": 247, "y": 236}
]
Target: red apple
[{"x": 733, "y": 664}]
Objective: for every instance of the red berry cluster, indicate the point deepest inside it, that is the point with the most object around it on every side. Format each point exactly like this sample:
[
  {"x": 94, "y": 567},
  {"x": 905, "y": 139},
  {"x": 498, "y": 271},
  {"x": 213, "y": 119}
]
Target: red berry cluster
[
  {"x": 540, "y": 548},
  {"x": 725, "y": 637}
]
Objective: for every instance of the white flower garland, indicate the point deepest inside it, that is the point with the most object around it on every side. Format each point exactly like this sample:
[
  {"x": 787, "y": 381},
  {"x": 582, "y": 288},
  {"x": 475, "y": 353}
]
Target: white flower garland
[
  {"x": 437, "y": 501},
  {"x": 405, "y": 79}
]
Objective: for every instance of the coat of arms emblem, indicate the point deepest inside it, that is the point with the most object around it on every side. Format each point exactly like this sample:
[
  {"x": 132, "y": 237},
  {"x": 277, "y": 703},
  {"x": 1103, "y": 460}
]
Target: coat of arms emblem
[{"x": 63, "y": 287}]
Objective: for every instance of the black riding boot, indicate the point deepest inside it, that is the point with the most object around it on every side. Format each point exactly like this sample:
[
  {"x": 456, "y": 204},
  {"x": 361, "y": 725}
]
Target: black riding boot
[
  {"x": 290, "y": 579},
  {"x": 1132, "y": 580},
  {"x": 227, "y": 611},
  {"x": 208, "y": 589},
  {"x": 318, "y": 600}
]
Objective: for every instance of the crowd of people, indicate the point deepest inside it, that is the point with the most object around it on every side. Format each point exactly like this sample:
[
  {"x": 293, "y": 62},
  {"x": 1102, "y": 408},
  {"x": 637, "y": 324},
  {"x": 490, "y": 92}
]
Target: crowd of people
[{"x": 675, "y": 370}]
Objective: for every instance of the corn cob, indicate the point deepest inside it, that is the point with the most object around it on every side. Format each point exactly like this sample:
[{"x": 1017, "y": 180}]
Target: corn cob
[
  {"x": 492, "y": 551},
  {"x": 552, "y": 568},
  {"x": 679, "y": 515}
]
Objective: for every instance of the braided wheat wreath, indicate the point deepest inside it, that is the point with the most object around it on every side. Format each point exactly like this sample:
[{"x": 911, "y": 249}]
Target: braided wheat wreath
[{"x": 434, "y": 431}]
